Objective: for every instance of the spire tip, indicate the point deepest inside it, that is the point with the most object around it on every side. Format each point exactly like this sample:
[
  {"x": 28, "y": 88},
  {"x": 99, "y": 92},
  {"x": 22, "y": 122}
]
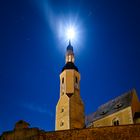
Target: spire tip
[{"x": 69, "y": 42}]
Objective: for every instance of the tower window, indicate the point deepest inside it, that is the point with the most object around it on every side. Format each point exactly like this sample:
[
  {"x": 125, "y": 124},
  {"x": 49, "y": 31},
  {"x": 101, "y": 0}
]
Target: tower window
[
  {"x": 62, "y": 110},
  {"x": 70, "y": 58},
  {"x": 76, "y": 79},
  {"x": 63, "y": 80},
  {"x": 61, "y": 123}
]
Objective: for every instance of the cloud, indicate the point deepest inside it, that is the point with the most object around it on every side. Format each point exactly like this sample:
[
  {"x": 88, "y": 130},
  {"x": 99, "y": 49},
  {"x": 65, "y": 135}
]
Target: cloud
[{"x": 37, "y": 108}]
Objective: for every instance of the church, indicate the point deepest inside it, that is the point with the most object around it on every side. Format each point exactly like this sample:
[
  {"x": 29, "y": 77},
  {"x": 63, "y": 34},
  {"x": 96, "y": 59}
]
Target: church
[
  {"x": 119, "y": 118},
  {"x": 122, "y": 110}
]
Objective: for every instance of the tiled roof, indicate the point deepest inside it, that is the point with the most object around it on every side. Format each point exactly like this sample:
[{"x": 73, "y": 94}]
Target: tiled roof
[{"x": 110, "y": 107}]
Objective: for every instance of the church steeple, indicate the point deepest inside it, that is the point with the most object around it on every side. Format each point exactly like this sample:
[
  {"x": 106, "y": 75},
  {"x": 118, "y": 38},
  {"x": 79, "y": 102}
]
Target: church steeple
[
  {"x": 70, "y": 108},
  {"x": 69, "y": 47},
  {"x": 69, "y": 53}
]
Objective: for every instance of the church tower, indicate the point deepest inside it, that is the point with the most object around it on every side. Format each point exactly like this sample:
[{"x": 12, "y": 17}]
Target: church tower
[{"x": 70, "y": 108}]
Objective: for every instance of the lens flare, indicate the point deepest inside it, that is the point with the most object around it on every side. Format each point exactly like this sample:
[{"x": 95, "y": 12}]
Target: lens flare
[
  {"x": 70, "y": 29},
  {"x": 70, "y": 33}
]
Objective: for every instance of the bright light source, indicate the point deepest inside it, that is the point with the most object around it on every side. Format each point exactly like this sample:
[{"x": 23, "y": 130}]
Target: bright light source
[
  {"x": 70, "y": 29},
  {"x": 70, "y": 33}
]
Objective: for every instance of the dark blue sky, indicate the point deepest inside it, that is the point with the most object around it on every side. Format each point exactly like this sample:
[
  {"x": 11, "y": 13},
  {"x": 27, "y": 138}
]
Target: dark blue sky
[{"x": 31, "y": 56}]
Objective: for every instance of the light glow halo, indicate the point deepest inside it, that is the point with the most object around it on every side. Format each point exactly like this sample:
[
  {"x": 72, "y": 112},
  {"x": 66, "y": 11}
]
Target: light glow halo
[
  {"x": 70, "y": 30},
  {"x": 70, "y": 33}
]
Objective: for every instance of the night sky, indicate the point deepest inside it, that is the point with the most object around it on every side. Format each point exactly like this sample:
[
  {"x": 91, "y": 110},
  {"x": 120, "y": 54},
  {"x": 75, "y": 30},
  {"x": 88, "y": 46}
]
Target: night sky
[{"x": 32, "y": 54}]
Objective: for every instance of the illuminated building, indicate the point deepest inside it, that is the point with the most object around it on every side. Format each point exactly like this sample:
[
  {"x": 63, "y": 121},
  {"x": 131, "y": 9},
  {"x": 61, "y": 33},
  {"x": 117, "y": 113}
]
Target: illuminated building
[{"x": 70, "y": 108}]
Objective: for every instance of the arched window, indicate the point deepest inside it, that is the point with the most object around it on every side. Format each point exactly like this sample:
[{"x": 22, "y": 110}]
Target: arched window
[
  {"x": 63, "y": 80},
  {"x": 76, "y": 80},
  {"x": 70, "y": 58},
  {"x": 115, "y": 122}
]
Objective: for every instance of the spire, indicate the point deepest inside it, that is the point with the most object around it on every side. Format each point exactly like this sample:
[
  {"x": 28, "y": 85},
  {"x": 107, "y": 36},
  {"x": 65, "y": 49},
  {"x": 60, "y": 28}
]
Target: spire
[
  {"x": 70, "y": 47},
  {"x": 69, "y": 53},
  {"x": 69, "y": 42}
]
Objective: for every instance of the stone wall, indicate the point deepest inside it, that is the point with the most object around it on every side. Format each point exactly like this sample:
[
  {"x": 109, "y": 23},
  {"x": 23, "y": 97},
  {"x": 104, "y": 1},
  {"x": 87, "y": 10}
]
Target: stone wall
[
  {"x": 126, "y": 132},
  {"x": 21, "y": 134}
]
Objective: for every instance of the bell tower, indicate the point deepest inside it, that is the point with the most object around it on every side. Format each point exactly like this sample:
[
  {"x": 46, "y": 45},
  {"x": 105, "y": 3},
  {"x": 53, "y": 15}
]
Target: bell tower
[{"x": 70, "y": 108}]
